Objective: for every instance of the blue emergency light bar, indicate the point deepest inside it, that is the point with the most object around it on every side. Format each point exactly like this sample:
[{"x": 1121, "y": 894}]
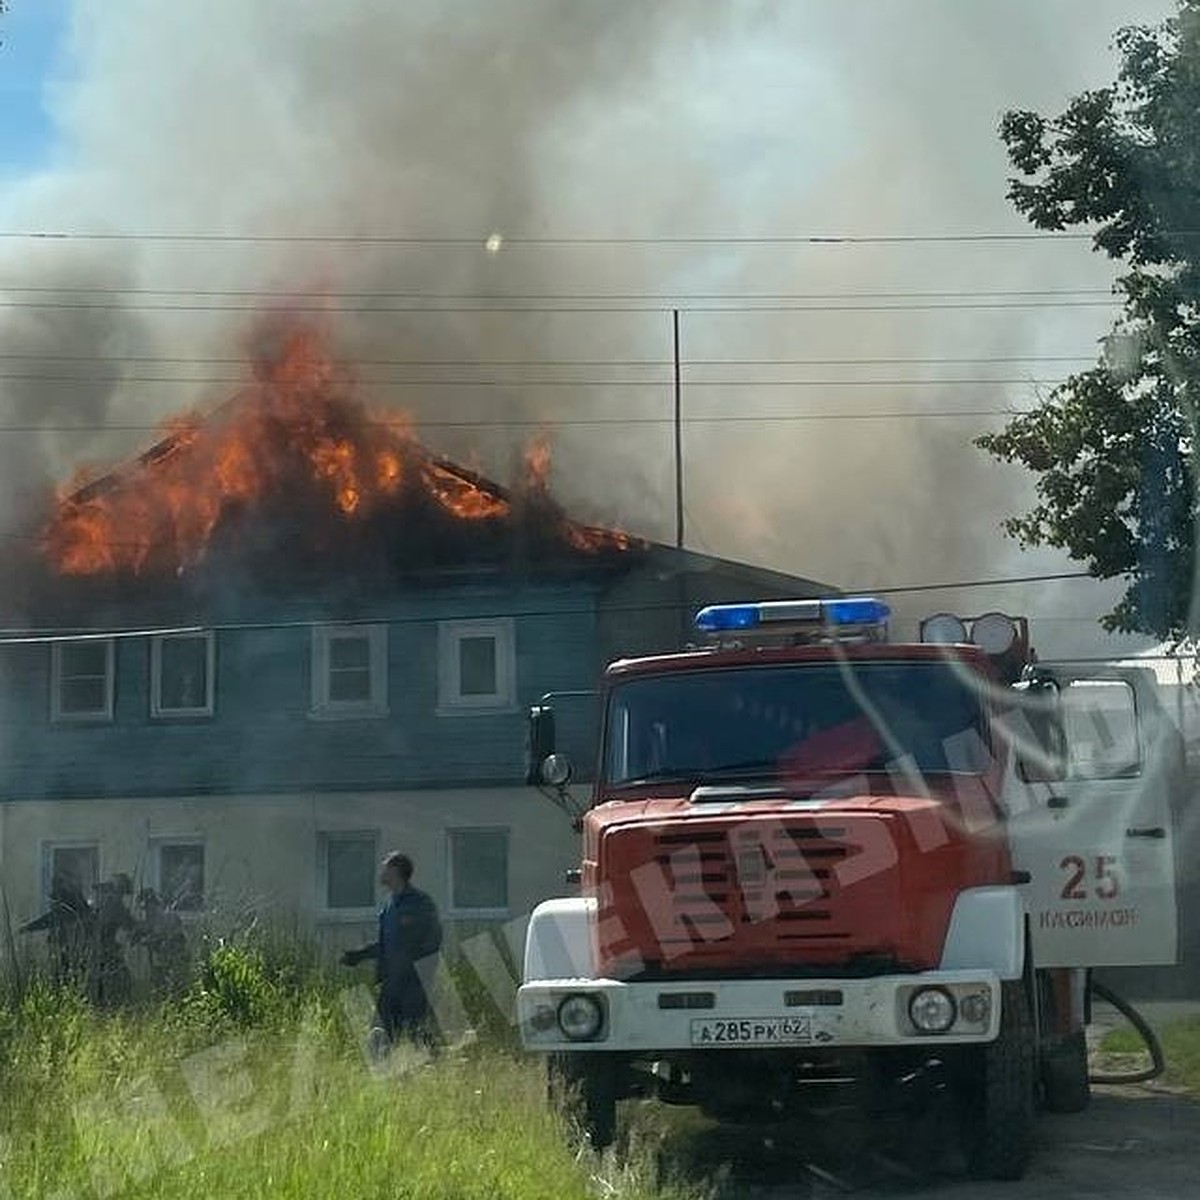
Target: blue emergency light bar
[{"x": 852, "y": 610}]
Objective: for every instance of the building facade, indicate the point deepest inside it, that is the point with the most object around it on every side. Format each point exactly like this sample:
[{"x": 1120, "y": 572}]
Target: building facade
[{"x": 246, "y": 753}]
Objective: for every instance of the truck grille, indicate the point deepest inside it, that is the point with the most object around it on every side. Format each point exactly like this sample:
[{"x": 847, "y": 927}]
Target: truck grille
[
  {"x": 785, "y": 876},
  {"x": 769, "y": 892}
]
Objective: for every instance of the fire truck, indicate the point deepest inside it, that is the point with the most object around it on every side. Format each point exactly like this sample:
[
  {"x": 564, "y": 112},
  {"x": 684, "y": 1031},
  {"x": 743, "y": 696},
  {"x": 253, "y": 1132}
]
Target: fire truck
[{"x": 817, "y": 859}]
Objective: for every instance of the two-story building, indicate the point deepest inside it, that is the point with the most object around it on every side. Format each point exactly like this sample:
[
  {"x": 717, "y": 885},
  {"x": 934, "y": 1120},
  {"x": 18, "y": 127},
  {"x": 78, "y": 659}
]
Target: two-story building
[{"x": 253, "y": 733}]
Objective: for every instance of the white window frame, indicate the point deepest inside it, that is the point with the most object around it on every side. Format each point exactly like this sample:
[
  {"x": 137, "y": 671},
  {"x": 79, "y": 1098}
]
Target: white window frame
[
  {"x": 451, "y": 701},
  {"x": 323, "y": 707},
  {"x": 485, "y": 914},
  {"x": 48, "y": 848},
  {"x": 210, "y": 690},
  {"x": 157, "y": 844},
  {"x": 324, "y": 911},
  {"x": 56, "y": 680}
]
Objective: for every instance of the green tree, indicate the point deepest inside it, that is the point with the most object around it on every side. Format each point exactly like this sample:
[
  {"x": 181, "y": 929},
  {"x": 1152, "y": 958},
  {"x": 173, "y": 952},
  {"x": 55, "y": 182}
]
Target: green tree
[{"x": 1113, "y": 446}]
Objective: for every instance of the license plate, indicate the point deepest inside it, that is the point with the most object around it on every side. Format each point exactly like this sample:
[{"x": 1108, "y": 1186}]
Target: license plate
[{"x": 751, "y": 1031}]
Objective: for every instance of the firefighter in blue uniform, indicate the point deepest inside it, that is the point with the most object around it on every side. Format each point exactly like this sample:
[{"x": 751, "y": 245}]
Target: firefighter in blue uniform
[{"x": 410, "y": 933}]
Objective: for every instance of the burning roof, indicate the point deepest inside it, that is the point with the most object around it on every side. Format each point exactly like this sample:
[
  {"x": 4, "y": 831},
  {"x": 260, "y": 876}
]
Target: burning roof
[{"x": 297, "y": 469}]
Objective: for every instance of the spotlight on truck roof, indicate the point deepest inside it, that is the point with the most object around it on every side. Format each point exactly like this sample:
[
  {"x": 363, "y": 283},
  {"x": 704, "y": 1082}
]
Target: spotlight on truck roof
[
  {"x": 1004, "y": 639},
  {"x": 994, "y": 633},
  {"x": 945, "y": 629}
]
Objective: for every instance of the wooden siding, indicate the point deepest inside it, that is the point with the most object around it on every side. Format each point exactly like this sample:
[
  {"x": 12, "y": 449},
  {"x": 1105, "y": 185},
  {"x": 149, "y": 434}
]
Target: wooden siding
[{"x": 263, "y": 736}]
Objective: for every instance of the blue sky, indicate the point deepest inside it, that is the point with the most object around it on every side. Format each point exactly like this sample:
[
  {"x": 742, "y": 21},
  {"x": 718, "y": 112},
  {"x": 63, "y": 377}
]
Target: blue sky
[{"x": 33, "y": 32}]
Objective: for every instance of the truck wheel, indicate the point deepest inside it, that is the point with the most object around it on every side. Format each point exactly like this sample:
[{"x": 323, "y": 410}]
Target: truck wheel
[
  {"x": 1065, "y": 1086},
  {"x": 998, "y": 1094},
  {"x": 583, "y": 1087}
]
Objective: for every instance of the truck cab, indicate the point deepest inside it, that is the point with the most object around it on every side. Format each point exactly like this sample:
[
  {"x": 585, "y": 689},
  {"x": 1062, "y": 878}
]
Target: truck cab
[{"x": 814, "y": 856}]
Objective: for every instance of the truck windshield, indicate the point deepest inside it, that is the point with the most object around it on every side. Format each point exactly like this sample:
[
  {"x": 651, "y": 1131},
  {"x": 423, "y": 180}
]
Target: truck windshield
[{"x": 802, "y": 719}]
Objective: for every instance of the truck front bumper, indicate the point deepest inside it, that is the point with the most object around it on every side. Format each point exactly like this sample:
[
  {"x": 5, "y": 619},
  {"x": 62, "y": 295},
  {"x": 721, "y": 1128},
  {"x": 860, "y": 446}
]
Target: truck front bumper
[{"x": 783, "y": 1014}]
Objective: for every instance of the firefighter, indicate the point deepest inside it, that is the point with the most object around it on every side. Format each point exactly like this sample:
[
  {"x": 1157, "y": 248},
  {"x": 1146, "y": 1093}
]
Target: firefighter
[
  {"x": 111, "y": 983},
  {"x": 160, "y": 930},
  {"x": 68, "y": 924},
  {"x": 410, "y": 934}
]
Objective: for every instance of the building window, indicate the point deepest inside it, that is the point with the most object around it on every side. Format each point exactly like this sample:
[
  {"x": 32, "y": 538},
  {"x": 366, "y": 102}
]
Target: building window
[
  {"x": 476, "y": 665},
  {"x": 479, "y": 872},
  {"x": 349, "y": 865},
  {"x": 182, "y": 675},
  {"x": 74, "y": 865},
  {"x": 180, "y": 874},
  {"x": 81, "y": 685},
  {"x": 349, "y": 665}
]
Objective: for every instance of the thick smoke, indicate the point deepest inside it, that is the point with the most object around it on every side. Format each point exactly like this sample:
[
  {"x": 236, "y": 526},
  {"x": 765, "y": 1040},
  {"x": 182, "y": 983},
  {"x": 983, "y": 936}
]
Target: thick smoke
[{"x": 542, "y": 117}]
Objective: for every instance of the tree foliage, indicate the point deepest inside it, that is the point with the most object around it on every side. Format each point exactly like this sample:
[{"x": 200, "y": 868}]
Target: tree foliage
[{"x": 1113, "y": 446}]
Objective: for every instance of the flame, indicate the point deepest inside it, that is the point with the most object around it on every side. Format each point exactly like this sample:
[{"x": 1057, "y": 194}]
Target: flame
[
  {"x": 297, "y": 431},
  {"x": 537, "y": 463},
  {"x": 590, "y": 539},
  {"x": 461, "y": 496},
  {"x": 594, "y": 538}
]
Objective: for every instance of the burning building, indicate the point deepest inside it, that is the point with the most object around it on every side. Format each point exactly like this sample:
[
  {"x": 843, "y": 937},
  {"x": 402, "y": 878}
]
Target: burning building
[{"x": 288, "y": 637}]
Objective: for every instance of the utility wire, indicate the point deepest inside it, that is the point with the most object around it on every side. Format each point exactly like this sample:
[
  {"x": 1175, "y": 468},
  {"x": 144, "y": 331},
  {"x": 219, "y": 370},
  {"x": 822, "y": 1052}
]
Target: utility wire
[
  {"x": 979, "y": 583},
  {"x": 393, "y": 381},
  {"x": 44, "y": 634},
  {"x": 569, "y": 307},
  {"x": 578, "y": 422},
  {"x": 498, "y": 241},
  {"x": 304, "y": 294},
  {"x": 467, "y": 364}
]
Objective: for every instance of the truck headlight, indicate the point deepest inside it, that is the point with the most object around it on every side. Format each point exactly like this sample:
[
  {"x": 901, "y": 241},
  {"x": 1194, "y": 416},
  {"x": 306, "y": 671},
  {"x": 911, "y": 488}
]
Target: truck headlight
[
  {"x": 932, "y": 1009},
  {"x": 580, "y": 1017}
]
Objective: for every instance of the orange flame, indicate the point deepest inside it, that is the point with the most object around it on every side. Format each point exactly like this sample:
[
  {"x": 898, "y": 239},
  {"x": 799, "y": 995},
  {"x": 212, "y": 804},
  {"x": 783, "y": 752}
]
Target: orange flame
[
  {"x": 462, "y": 497},
  {"x": 296, "y": 430},
  {"x": 537, "y": 463},
  {"x": 593, "y": 539}
]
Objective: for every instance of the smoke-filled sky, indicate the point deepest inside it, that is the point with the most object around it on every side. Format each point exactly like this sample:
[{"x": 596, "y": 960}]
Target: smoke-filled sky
[{"x": 301, "y": 119}]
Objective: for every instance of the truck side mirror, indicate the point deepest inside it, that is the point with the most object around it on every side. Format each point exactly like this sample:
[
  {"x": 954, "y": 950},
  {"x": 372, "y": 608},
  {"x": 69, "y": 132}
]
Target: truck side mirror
[
  {"x": 556, "y": 770},
  {"x": 540, "y": 742}
]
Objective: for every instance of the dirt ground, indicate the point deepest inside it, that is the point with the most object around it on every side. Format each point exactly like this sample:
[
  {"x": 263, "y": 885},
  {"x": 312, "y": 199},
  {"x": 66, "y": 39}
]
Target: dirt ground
[{"x": 1133, "y": 1143}]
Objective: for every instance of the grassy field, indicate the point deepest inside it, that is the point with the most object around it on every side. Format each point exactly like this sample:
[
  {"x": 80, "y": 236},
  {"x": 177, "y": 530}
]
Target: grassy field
[
  {"x": 256, "y": 1085},
  {"x": 1181, "y": 1048}
]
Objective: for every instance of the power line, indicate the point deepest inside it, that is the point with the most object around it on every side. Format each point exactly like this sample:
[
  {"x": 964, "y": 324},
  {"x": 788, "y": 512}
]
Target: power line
[
  {"x": 392, "y": 381},
  {"x": 979, "y": 583},
  {"x": 42, "y": 634},
  {"x": 499, "y": 241},
  {"x": 569, "y": 307},
  {"x": 422, "y": 294},
  {"x": 577, "y": 422},
  {"x": 244, "y": 361}
]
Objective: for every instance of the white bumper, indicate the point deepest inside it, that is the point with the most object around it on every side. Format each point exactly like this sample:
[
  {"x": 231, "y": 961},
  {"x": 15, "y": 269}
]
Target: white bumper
[{"x": 786, "y": 1014}]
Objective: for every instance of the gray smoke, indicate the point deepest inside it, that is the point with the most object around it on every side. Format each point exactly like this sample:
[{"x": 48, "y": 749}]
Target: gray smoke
[{"x": 294, "y": 117}]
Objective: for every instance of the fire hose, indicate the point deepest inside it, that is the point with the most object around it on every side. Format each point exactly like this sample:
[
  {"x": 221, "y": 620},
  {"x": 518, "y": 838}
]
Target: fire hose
[{"x": 1142, "y": 1027}]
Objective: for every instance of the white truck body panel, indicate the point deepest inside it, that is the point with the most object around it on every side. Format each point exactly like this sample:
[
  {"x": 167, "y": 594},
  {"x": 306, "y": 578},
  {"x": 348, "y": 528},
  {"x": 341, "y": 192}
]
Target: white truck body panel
[
  {"x": 987, "y": 929},
  {"x": 558, "y": 942},
  {"x": 1098, "y": 842}
]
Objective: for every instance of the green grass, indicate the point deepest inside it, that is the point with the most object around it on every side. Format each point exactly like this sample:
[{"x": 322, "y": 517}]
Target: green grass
[
  {"x": 1181, "y": 1049},
  {"x": 255, "y": 1085}
]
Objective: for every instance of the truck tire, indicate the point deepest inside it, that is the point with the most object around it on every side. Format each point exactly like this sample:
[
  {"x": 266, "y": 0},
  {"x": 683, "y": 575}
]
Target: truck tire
[
  {"x": 1065, "y": 1086},
  {"x": 583, "y": 1088},
  {"x": 998, "y": 1094}
]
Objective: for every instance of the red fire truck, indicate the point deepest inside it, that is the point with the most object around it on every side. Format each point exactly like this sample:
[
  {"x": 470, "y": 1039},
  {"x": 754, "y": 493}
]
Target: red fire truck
[{"x": 816, "y": 858}]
